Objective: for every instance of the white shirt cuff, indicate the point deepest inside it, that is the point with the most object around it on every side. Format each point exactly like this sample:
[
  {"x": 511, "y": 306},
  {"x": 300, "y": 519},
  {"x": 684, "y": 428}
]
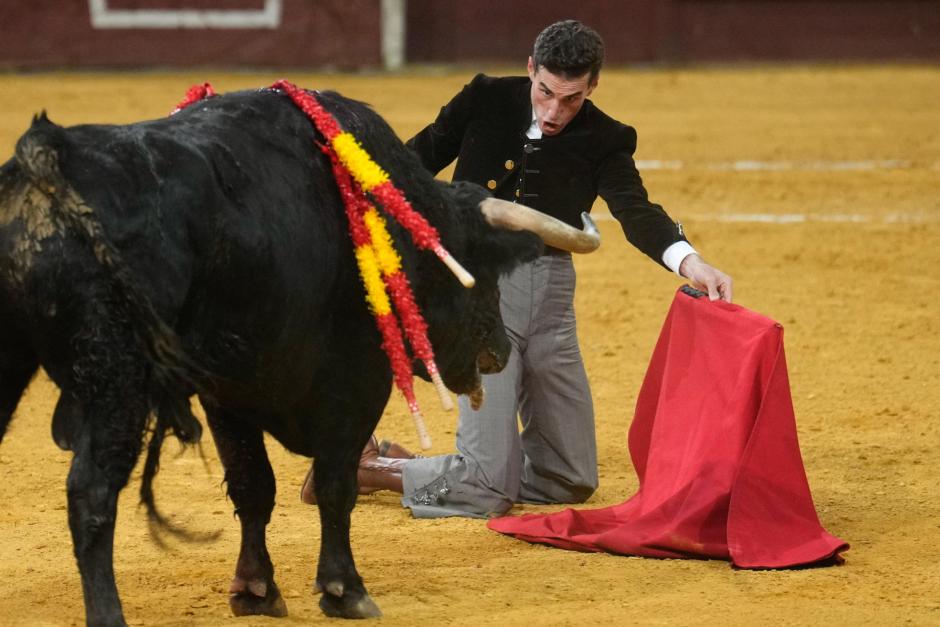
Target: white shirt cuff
[{"x": 674, "y": 255}]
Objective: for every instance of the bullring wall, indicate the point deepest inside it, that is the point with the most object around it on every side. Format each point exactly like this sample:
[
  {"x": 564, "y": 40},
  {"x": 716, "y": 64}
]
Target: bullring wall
[
  {"x": 658, "y": 31},
  {"x": 182, "y": 33},
  {"x": 347, "y": 34}
]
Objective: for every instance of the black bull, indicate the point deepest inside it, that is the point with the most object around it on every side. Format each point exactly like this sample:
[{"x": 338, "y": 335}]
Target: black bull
[{"x": 207, "y": 253}]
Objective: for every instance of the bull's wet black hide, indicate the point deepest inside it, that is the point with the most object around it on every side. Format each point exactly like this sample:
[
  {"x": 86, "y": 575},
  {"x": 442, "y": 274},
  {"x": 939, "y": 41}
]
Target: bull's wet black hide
[{"x": 207, "y": 253}]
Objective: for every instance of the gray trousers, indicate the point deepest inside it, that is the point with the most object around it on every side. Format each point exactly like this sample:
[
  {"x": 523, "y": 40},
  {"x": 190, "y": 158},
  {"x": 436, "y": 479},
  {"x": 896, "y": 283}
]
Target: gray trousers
[{"x": 553, "y": 459}]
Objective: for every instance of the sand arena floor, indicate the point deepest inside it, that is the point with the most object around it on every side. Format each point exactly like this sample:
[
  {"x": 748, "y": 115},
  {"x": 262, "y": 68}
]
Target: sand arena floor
[{"x": 817, "y": 188}]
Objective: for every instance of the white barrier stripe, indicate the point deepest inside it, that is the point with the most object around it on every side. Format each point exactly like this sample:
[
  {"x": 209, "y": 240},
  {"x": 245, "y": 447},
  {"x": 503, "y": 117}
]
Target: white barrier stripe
[
  {"x": 104, "y": 17},
  {"x": 393, "y": 34},
  {"x": 780, "y": 166},
  {"x": 656, "y": 164},
  {"x": 898, "y": 217}
]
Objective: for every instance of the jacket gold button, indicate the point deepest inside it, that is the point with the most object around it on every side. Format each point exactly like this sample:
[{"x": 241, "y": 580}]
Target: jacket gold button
[
  {"x": 510, "y": 164},
  {"x": 491, "y": 184}
]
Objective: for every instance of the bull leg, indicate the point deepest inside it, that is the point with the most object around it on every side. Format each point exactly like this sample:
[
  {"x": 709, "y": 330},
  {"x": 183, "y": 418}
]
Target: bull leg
[
  {"x": 106, "y": 449},
  {"x": 344, "y": 594},
  {"x": 251, "y": 487},
  {"x": 345, "y": 423}
]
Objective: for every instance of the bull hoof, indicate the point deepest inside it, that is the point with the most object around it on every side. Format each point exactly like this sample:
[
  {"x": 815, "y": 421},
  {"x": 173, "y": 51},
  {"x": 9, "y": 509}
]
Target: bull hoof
[
  {"x": 248, "y": 604},
  {"x": 350, "y": 605}
]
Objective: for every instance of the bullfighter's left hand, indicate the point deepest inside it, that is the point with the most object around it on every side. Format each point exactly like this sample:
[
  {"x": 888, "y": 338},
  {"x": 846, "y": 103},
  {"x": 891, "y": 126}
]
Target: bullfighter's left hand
[{"x": 706, "y": 278}]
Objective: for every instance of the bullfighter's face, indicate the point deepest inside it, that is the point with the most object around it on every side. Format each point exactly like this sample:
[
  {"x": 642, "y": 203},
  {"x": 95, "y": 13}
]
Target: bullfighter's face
[{"x": 556, "y": 99}]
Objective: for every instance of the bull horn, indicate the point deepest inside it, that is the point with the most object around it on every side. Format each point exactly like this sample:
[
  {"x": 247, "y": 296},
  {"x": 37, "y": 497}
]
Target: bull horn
[{"x": 512, "y": 216}]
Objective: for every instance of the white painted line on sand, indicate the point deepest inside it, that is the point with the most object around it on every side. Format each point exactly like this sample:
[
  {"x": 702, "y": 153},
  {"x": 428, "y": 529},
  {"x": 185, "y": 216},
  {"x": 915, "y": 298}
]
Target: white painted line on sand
[
  {"x": 746, "y": 165},
  {"x": 656, "y": 164},
  {"x": 897, "y": 217}
]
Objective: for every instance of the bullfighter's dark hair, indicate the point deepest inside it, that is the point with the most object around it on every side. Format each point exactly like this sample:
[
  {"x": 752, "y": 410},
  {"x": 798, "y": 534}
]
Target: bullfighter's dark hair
[{"x": 569, "y": 48}]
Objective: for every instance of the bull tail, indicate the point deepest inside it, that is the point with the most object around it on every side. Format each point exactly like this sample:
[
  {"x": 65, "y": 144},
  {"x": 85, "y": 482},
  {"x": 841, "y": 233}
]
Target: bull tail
[{"x": 158, "y": 524}]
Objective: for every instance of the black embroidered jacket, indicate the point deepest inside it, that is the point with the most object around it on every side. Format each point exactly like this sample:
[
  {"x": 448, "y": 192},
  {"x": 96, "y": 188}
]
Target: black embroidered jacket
[{"x": 484, "y": 126}]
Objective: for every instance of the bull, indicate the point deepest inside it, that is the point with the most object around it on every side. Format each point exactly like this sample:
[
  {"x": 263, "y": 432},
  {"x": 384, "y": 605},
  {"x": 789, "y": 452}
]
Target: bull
[{"x": 206, "y": 254}]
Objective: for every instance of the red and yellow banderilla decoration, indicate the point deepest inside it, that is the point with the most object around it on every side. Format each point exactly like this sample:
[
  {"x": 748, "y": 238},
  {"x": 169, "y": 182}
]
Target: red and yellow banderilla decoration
[
  {"x": 381, "y": 272},
  {"x": 373, "y": 179},
  {"x": 194, "y": 94},
  {"x": 379, "y": 264}
]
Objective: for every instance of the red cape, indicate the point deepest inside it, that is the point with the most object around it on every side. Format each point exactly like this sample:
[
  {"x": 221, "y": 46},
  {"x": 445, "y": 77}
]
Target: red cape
[{"x": 714, "y": 445}]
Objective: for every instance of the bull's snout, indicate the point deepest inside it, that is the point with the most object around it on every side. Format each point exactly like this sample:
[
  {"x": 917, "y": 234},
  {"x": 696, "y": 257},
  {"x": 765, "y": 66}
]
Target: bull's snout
[
  {"x": 494, "y": 355},
  {"x": 490, "y": 362}
]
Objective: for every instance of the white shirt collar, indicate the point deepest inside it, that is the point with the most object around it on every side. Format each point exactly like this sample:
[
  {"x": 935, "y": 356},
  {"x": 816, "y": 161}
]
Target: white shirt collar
[{"x": 534, "y": 132}]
